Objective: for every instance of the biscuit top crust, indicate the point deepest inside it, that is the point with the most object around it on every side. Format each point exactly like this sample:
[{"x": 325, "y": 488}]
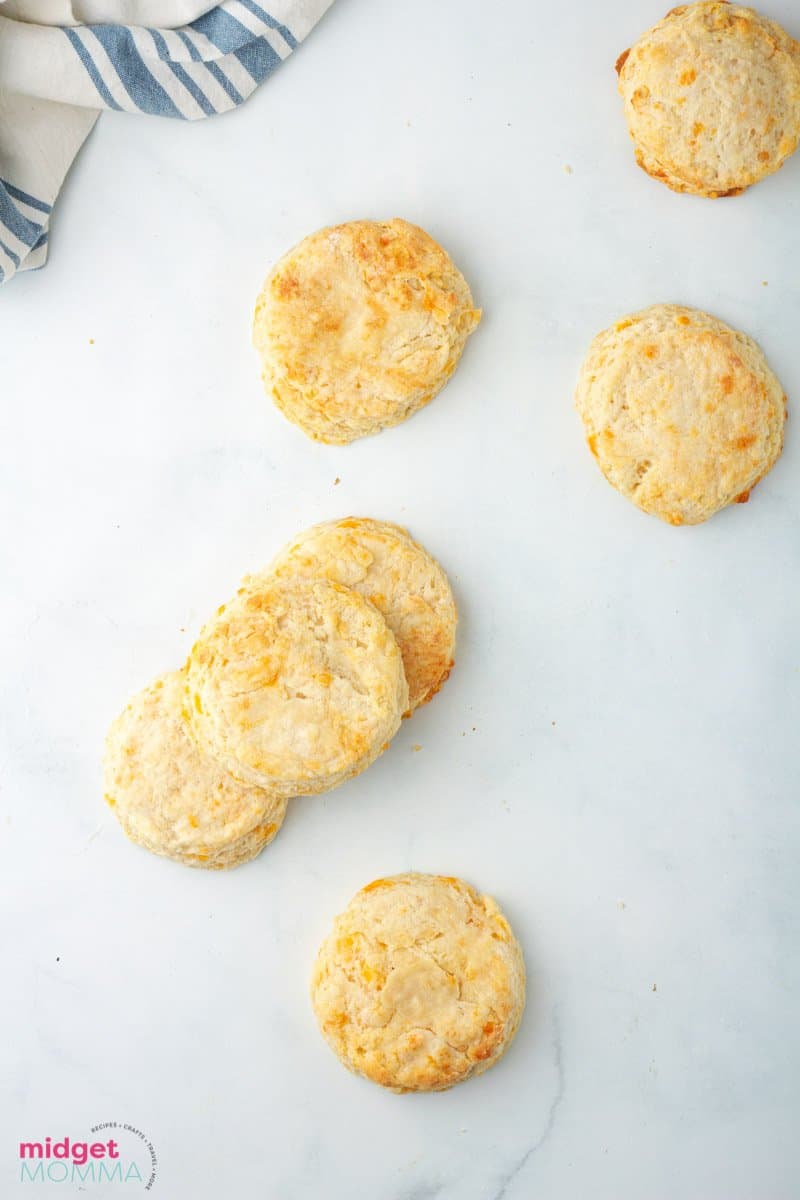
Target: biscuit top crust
[
  {"x": 296, "y": 685},
  {"x": 403, "y": 581},
  {"x": 420, "y": 984},
  {"x": 682, "y": 413},
  {"x": 359, "y": 325},
  {"x": 712, "y": 97},
  {"x": 166, "y": 792}
]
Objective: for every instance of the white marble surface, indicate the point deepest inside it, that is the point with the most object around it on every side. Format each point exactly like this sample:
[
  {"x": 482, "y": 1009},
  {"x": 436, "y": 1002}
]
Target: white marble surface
[{"x": 615, "y": 756}]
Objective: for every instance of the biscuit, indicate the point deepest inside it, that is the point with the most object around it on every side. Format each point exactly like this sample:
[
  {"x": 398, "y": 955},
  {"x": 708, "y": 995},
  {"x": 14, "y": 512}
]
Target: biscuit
[
  {"x": 682, "y": 413},
  {"x": 420, "y": 984},
  {"x": 174, "y": 800},
  {"x": 296, "y": 686},
  {"x": 409, "y": 588},
  {"x": 712, "y": 98},
  {"x": 359, "y": 326}
]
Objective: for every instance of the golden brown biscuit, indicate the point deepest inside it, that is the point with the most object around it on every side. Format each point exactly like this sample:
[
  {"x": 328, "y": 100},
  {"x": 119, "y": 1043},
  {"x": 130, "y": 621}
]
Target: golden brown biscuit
[
  {"x": 420, "y": 984},
  {"x": 410, "y": 589},
  {"x": 682, "y": 413},
  {"x": 359, "y": 326},
  {"x": 173, "y": 799},
  {"x": 712, "y": 98},
  {"x": 296, "y": 686}
]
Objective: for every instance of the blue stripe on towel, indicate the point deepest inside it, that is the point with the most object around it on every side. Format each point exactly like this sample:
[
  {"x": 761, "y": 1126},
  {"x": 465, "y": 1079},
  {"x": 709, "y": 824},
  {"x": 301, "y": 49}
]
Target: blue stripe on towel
[
  {"x": 223, "y": 30},
  {"x": 212, "y": 68},
  {"x": 141, "y": 85},
  {"x": 258, "y": 59},
  {"x": 224, "y": 82},
  {"x": 10, "y": 216},
  {"x": 91, "y": 69},
  {"x": 259, "y": 12},
  {"x": 182, "y": 74},
  {"x": 193, "y": 88},
  {"x": 256, "y": 56},
  {"x": 31, "y": 201},
  {"x": 7, "y": 250},
  {"x": 190, "y": 46}
]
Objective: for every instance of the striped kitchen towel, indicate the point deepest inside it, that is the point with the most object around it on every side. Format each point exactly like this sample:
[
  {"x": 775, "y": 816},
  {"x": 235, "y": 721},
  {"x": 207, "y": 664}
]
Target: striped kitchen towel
[{"x": 63, "y": 61}]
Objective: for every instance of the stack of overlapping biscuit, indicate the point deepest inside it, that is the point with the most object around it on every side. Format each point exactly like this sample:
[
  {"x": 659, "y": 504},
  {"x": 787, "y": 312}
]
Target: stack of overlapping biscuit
[{"x": 294, "y": 686}]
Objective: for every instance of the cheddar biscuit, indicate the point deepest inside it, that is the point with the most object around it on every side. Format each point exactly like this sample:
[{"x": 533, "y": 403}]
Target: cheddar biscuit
[
  {"x": 174, "y": 800},
  {"x": 407, "y": 585},
  {"x": 359, "y": 326},
  {"x": 682, "y": 413},
  {"x": 420, "y": 984},
  {"x": 296, "y": 686},
  {"x": 712, "y": 98}
]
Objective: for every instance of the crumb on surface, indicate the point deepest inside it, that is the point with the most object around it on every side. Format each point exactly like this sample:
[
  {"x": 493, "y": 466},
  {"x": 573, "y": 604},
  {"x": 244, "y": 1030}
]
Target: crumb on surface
[
  {"x": 336, "y": 481},
  {"x": 620, "y": 904},
  {"x": 416, "y": 748},
  {"x": 567, "y": 169}
]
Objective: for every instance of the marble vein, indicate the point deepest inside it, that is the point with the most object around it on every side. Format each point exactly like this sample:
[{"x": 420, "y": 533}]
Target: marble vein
[{"x": 558, "y": 1059}]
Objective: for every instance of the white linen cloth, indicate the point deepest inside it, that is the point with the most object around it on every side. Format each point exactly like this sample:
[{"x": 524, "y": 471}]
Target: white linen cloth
[{"x": 63, "y": 61}]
